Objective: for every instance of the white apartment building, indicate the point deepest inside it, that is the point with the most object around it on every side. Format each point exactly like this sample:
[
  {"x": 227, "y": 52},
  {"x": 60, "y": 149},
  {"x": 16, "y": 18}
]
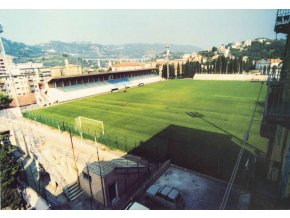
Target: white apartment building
[
  {"x": 26, "y": 77},
  {"x": 2, "y": 63},
  {"x": 236, "y": 45},
  {"x": 247, "y": 42}
]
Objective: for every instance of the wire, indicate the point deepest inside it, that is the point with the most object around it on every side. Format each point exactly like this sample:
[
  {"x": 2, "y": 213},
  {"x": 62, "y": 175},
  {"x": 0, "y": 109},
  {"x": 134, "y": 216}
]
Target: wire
[{"x": 235, "y": 170}]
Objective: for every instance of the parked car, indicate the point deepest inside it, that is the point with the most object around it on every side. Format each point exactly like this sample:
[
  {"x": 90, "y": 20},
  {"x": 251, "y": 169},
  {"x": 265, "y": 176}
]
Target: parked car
[
  {"x": 136, "y": 206},
  {"x": 166, "y": 196}
]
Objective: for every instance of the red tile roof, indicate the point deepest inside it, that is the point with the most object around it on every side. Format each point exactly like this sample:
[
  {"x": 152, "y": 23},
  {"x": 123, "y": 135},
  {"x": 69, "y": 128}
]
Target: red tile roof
[{"x": 24, "y": 100}]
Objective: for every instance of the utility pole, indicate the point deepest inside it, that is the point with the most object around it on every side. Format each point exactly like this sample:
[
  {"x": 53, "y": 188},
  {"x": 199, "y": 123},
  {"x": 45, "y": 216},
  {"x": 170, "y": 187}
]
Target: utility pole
[
  {"x": 2, "y": 51},
  {"x": 101, "y": 176},
  {"x": 72, "y": 146},
  {"x": 90, "y": 183}
]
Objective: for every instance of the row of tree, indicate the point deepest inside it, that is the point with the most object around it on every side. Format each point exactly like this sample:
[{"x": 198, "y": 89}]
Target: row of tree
[{"x": 221, "y": 65}]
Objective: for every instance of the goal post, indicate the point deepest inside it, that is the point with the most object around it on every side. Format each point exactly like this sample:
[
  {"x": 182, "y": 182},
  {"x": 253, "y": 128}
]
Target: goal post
[{"x": 83, "y": 123}]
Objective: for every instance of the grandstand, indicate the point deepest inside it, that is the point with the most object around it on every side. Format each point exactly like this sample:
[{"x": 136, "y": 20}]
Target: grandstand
[{"x": 66, "y": 88}]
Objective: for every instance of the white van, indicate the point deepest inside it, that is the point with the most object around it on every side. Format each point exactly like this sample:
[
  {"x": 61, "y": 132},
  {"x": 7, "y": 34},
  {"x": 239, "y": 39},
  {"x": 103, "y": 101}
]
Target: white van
[{"x": 136, "y": 206}]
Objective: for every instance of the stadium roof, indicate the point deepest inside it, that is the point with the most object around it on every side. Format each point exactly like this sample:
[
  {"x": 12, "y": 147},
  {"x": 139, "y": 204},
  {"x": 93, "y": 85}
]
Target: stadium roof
[
  {"x": 99, "y": 74},
  {"x": 127, "y": 64}
]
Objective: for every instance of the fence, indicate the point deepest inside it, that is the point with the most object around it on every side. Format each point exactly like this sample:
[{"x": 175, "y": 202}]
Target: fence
[
  {"x": 206, "y": 152},
  {"x": 121, "y": 143}
]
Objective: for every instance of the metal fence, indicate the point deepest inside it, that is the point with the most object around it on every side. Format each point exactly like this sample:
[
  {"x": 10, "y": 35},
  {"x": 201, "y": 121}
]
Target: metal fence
[{"x": 117, "y": 142}]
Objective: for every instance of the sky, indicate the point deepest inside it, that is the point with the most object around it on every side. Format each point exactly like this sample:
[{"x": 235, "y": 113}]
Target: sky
[{"x": 202, "y": 28}]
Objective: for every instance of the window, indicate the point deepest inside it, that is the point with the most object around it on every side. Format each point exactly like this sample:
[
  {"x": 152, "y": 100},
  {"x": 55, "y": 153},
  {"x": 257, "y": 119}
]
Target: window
[
  {"x": 279, "y": 135},
  {"x": 113, "y": 191},
  {"x": 87, "y": 176}
]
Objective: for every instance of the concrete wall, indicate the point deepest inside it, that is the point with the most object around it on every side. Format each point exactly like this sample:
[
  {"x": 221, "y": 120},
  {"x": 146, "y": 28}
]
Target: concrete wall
[
  {"x": 280, "y": 159},
  {"x": 278, "y": 143},
  {"x": 95, "y": 184},
  {"x": 66, "y": 71},
  {"x": 286, "y": 166},
  {"x": 11, "y": 113},
  {"x": 241, "y": 77},
  {"x": 123, "y": 181}
]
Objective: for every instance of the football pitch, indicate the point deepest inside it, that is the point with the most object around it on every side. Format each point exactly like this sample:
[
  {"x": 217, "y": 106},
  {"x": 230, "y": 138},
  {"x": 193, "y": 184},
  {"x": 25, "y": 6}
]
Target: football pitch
[{"x": 208, "y": 108}]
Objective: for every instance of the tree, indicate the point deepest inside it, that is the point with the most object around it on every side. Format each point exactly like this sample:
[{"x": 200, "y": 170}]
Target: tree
[
  {"x": 164, "y": 71},
  {"x": 10, "y": 171},
  {"x": 264, "y": 70},
  {"x": 4, "y": 101},
  {"x": 178, "y": 70},
  {"x": 171, "y": 71},
  {"x": 214, "y": 49}
]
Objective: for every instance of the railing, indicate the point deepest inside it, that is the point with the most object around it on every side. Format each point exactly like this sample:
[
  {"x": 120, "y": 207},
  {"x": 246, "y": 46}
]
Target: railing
[
  {"x": 283, "y": 16},
  {"x": 142, "y": 187},
  {"x": 114, "y": 141},
  {"x": 283, "y": 21},
  {"x": 277, "y": 106}
]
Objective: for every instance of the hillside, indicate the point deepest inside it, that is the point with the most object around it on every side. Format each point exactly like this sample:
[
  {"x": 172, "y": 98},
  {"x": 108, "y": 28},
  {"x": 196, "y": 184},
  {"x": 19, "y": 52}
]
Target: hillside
[
  {"x": 265, "y": 49},
  {"x": 92, "y": 50}
]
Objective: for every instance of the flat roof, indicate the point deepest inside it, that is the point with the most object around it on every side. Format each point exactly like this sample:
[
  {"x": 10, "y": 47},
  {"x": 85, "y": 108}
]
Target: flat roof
[
  {"x": 199, "y": 191},
  {"x": 105, "y": 167},
  {"x": 100, "y": 74}
]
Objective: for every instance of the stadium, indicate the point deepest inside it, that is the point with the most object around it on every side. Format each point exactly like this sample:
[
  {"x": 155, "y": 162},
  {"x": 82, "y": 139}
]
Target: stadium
[{"x": 198, "y": 124}]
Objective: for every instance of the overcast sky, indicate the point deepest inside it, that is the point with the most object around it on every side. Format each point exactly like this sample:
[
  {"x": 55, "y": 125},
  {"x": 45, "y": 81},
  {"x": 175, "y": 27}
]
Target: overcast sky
[{"x": 202, "y": 28}]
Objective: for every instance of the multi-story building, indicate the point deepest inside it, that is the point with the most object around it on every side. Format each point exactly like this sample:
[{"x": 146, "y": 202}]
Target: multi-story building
[
  {"x": 263, "y": 66},
  {"x": 247, "y": 42},
  {"x": 276, "y": 117},
  {"x": 66, "y": 70},
  {"x": 275, "y": 62},
  {"x": 9, "y": 59},
  {"x": 236, "y": 45}
]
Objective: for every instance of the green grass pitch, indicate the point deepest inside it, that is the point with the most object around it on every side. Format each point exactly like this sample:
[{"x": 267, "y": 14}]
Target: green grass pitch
[{"x": 142, "y": 112}]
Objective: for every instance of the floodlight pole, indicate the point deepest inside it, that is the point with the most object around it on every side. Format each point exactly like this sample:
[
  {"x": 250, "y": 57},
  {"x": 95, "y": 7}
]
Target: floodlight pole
[
  {"x": 167, "y": 57},
  {"x": 2, "y": 50}
]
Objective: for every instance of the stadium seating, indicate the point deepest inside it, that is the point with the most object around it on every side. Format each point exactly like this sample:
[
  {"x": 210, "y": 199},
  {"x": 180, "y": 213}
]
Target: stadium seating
[{"x": 68, "y": 93}]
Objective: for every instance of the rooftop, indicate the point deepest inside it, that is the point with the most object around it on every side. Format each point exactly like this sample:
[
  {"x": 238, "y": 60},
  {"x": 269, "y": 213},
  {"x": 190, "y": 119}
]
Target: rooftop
[
  {"x": 105, "y": 167},
  {"x": 102, "y": 73},
  {"x": 24, "y": 100},
  {"x": 199, "y": 191}
]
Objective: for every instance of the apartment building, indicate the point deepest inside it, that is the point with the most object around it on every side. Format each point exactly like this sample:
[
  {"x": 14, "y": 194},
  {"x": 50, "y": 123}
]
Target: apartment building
[{"x": 276, "y": 117}]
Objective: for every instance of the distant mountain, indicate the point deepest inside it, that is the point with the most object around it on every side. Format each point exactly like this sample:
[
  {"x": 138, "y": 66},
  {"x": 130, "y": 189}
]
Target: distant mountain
[
  {"x": 92, "y": 50},
  {"x": 19, "y": 50}
]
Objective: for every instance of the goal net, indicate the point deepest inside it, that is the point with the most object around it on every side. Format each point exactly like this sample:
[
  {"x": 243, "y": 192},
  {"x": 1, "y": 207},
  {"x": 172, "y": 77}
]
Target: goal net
[{"x": 89, "y": 126}]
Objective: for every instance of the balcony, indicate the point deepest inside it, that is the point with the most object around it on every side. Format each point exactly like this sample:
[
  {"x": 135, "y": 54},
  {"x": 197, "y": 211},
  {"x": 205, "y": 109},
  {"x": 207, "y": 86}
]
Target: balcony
[
  {"x": 282, "y": 24},
  {"x": 277, "y": 107},
  {"x": 267, "y": 129}
]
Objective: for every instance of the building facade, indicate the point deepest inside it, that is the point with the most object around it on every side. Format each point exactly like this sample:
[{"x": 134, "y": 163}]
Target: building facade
[{"x": 276, "y": 117}]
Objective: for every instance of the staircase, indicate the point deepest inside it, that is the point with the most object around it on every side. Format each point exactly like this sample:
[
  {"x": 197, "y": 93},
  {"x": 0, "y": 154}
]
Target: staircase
[
  {"x": 73, "y": 192},
  {"x": 49, "y": 163}
]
